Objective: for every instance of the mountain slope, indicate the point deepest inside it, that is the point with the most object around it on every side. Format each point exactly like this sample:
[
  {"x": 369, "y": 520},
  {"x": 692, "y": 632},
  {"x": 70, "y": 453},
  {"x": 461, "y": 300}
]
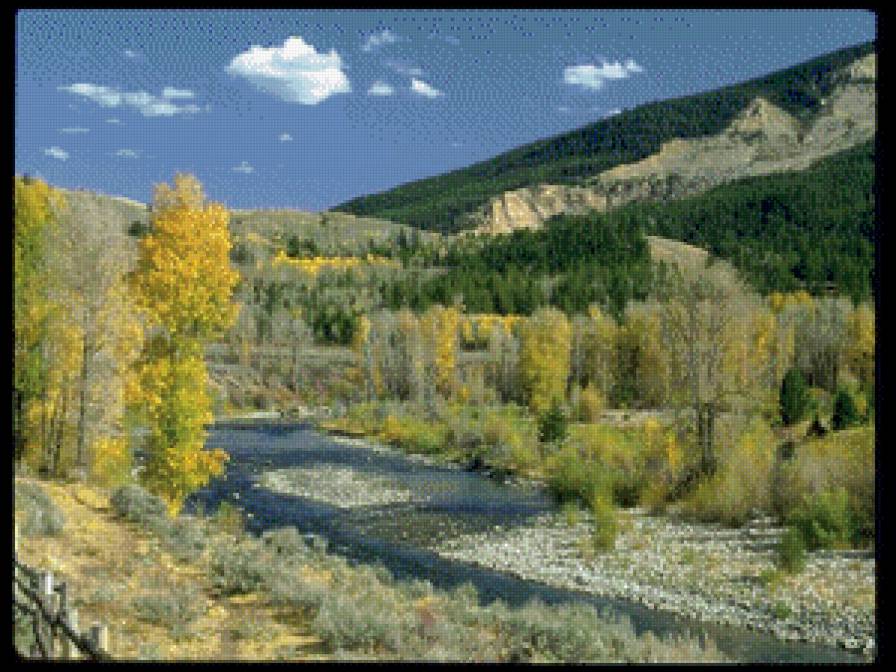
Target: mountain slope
[{"x": 444, "y": 202}]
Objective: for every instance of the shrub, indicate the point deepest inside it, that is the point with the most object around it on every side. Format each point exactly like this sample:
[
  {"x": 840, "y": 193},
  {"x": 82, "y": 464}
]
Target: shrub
[
  {"x": 364, "y": 622},
  {"x": 552, "y": 424},
  {"x": 573, "y": 477},
  {"x": 845, "y": 412},
  {"x": 606, "y": 526},
  {"x": 285, "y": 542},
  {"x": 824, "y": 520},
  {"x": 136, "y": 505},
  {"x": 794, "y": 398},
  {"x": 229, "y": 519},
  {"x": 42, "y": 516},
  {"x": 791, "y": 553},
  {"x": 742, "y": 484},
  {"x": 174, "y": 609},
  {"x": 591, "y": 403},
  {"x": 239, "y": 568},
  {"x": 843, "y": 459},
  {"x": 185, "y": 539}
]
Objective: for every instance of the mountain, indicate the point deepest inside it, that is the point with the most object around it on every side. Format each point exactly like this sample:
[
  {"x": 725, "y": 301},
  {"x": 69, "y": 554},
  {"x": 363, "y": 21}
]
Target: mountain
[{"x": 791, "y": 102}]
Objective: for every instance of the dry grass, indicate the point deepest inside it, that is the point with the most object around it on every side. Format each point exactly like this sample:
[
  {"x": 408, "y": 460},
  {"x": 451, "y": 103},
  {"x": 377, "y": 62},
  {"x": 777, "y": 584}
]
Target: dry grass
[{"x": 107, "y": 563}]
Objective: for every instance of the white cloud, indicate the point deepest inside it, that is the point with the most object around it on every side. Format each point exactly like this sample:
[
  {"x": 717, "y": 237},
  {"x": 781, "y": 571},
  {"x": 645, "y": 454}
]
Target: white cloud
[
  {"x": 285, "y": 137},
  {"x": 593, "y": 77},
  {"x": 244, "y": 167},
  {"x": 295, "y": 72},
  {"x": 57, "y": 153},
  {"x": 148, "y": 104},
  {"x": 74, "y": 130},
  {"x": 170, "y": 92},
  {"x": 424, "y": 89},
  {"x": 379, "y": 88},
  {"x": 563, "y": 108},
  {"x": 127, "y": 153},
  {"x": 613, "y": 112},
  {"x": 130, "y": 53},
  {"x": 379, "y": 39},
  {"x": 113, "y": 121},
  {"x": 404, "y": 68}
]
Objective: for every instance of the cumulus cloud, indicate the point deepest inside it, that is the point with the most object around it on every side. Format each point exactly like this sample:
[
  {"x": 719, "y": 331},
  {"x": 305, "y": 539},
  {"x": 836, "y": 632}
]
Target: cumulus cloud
[
  {"x": 379, "y": 88},
  {"x": 593, "y": 77},
  {"x": 295, "y": 72},
  {"x": 379, "y": 39},
  {"x": 285, "y": 137},
  {"x": 146, "y": 103},
  {"x": 244, "y": 168},
  {"x": 404, "y": 68},
  {"x": 74, "y": 130},
  {"x": 170, "y": 92},
  {"x": 57, "y": 153},
  {"x": 424, "y": 89},
  {"x": 130, "y": 53},
  {"x": 113, "y": 121},
  {"x": 127, "y": 153}
]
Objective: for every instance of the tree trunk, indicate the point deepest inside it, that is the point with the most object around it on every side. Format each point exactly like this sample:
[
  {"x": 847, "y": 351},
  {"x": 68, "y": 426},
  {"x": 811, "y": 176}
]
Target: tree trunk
[
  {"x": 706, "y": 415},
  {"x": 82, "y": 406}
]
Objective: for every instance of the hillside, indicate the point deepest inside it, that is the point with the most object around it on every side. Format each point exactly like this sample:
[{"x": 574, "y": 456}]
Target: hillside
[{"x": 444, "y": 203}]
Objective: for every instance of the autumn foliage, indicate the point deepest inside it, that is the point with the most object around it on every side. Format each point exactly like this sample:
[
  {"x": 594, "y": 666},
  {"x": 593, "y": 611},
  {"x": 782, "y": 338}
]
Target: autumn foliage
[{"x": 183, "y": 283}]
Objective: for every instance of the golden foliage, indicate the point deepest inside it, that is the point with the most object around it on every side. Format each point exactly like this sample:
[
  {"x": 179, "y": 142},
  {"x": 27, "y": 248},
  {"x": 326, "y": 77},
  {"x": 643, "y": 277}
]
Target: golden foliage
[{"x": 544, "y": 357}]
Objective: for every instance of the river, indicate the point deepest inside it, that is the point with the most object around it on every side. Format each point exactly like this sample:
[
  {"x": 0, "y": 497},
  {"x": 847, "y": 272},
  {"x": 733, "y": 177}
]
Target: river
[{"x": 401, "y": 534}]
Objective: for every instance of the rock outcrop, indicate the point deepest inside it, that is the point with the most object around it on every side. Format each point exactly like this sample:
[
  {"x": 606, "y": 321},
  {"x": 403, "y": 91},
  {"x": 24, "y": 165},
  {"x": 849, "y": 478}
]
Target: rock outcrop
[{"x": 761, "y": 140}]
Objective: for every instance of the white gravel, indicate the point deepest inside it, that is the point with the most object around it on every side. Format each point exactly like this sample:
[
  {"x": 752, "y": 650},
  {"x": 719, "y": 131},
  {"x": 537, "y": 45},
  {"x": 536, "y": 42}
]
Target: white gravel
[
  {"x": 341, "y": 487},
  {"x": 702, "y": 571}
]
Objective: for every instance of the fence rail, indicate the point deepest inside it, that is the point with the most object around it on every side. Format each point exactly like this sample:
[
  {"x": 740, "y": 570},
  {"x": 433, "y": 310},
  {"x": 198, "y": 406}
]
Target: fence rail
[{"x": 54, "y": 622}]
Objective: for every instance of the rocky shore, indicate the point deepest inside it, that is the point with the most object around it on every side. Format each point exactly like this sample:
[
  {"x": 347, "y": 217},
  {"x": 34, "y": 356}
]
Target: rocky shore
[
  {"x": 341, "y": 487},
  {"x": 701, "y": 571}
]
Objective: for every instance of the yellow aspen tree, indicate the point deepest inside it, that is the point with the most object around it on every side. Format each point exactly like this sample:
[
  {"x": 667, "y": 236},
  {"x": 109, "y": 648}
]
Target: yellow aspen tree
[
  {"x": 544, "y": 358},
  {"x": 439, "y": 329},
  {"x": 183, "y": 284},
  {"x": 860, "y": 342},
  {"x": 36, "y": 208}
]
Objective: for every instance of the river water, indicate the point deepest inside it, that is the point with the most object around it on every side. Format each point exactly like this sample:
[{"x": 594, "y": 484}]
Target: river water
[{"x": 401, "y": 535}]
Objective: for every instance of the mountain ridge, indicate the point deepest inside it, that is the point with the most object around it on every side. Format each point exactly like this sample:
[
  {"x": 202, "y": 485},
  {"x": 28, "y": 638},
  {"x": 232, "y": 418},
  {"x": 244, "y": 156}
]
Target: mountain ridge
[{"x": 445, "y": 202}]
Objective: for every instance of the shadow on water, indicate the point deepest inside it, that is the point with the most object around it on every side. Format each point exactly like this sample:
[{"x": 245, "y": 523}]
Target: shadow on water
[{"x": 401, "y": 535}]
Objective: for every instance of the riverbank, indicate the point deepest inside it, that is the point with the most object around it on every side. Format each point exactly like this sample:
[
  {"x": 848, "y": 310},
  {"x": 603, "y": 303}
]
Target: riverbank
[
  {"x": 199, "y": 588},
  {"x": 702, "y": 571}
]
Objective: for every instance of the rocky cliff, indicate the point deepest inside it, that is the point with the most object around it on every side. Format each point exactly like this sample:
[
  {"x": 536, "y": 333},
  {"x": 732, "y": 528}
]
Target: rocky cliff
[{"x": 762, "y": 139}]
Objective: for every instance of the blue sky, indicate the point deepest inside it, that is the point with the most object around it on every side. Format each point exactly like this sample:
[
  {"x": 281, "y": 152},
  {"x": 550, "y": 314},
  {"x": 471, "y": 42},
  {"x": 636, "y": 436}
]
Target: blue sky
[{"x": 305, "y": 110}]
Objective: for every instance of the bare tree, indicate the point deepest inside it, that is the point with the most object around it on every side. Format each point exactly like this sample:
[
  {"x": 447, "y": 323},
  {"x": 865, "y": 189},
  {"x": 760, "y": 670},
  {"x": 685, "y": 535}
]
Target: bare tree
[{"x": 701, "y": 326}]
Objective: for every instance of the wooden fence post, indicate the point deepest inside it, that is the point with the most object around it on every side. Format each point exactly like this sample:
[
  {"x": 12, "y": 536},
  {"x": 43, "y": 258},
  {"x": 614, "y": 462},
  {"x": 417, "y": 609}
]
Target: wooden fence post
[
  {"x": 99, "y": 635},
  {"x": 44, "y": 629},
  {"x": 69, "y": 650}
]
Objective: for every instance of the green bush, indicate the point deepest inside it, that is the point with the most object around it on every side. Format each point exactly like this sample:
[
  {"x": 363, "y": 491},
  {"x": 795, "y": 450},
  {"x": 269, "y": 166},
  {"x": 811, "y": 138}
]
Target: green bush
[
  {"x": 552, "y": 424},
  {"x": 606, "y": 526},
  {"x": 42, "y": 516},
  {"x": 825, "y": 520},
  {"x": 285, "y": 542},
  {"x": 365, "y": 622},
  {"x": 794, "y": 398},
  {"x": 571, "y": 477},
  {"x": 791, "y": 553},
  {"x": 174, "y": 609},
  {"x": 845, "y": 412},
  {"x": 239, "y": 568},
  {"x": 136, "y": 505},
  {"x": 185, "y": 539}
]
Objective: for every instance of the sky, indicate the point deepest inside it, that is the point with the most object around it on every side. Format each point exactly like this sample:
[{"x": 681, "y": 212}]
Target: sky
[{"x": 307, "y": 109}]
